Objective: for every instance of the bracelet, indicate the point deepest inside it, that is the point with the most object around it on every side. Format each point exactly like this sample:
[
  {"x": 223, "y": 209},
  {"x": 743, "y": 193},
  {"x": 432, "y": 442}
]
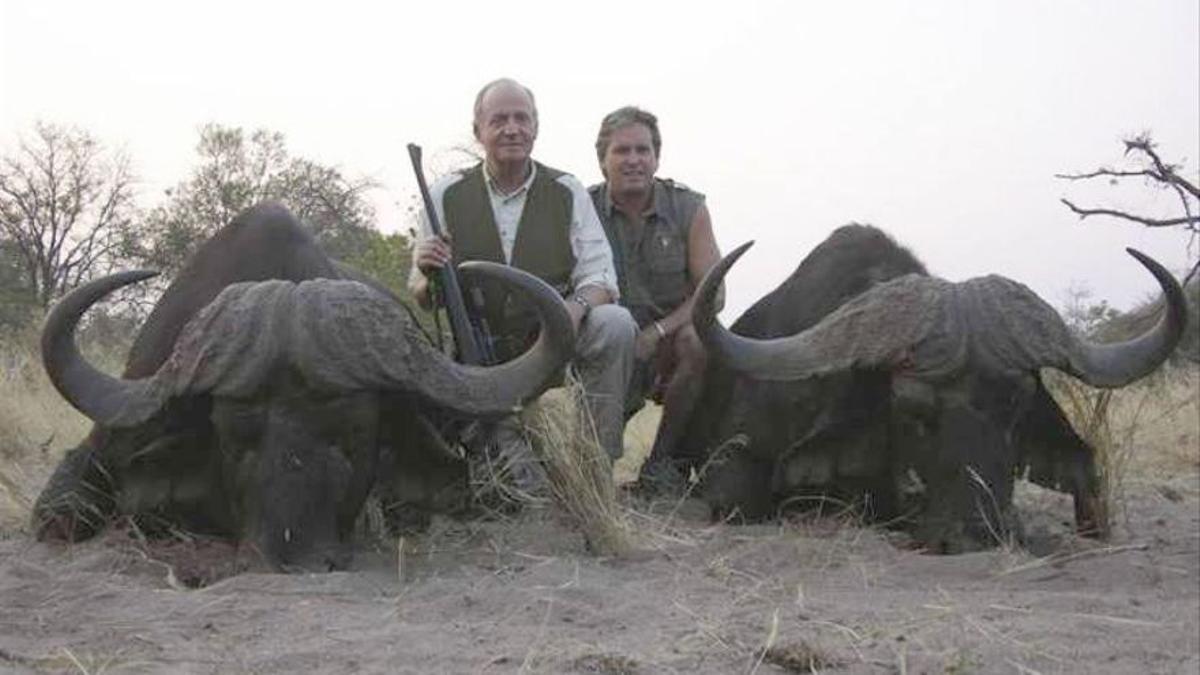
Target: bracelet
[{"x": 662, "y": 332}]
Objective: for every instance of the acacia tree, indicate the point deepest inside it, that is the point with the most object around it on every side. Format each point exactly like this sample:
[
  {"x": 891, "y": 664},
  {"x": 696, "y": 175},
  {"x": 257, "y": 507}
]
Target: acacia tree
[
  {"x": 66, "y": 208},
  {"x": 238, "y": 170}
]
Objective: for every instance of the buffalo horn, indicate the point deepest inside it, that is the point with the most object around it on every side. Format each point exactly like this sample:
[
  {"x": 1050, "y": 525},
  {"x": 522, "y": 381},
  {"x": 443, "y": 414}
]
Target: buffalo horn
[
  {"x": 1118, "y": 364},
  {"x": 102, "y": 397},
  {"x": 760, "y": 359},
  {"x": 501, "y": 389},
  {"x": 798, "y": 356}
]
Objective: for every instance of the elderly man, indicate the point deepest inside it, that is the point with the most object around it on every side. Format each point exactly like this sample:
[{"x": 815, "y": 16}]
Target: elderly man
[
  {"x": 511, "y": 209},
  {"x": 662, "y": 238}
]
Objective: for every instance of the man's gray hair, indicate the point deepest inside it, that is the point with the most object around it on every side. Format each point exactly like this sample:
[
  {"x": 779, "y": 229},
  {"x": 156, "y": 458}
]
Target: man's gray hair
[
  {"x": 623, "y": 117},
  {"x": 508, "y": 81}
]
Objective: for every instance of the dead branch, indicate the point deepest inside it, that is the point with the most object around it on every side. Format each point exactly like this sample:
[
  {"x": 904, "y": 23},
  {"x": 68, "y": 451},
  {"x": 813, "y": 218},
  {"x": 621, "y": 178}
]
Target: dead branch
[
  {"x": 1104, "y": 171},
  {"x": 1148, "y": 222},
  {"x": 1158, "y": 173},
  {"x": 1166, "y": 172}
]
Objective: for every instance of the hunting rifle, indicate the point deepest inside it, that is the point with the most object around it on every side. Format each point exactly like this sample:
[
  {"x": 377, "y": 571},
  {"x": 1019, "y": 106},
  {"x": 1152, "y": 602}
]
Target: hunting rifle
[{"x": 469, "y": 338}]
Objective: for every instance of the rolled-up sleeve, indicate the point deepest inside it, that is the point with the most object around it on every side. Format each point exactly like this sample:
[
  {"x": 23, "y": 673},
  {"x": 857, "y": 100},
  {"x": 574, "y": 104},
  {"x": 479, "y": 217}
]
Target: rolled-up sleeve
[{"x": 593, "y": 255}]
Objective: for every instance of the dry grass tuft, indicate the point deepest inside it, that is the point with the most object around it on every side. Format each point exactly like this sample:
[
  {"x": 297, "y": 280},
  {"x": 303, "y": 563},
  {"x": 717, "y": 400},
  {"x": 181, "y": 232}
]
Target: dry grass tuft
[
  {"x": 580, "y": 473},
  {"x": 68, "y": 661},
  {"x": 494, "y": 484},
  {"x": 800, "y": 657},
  {"x": 1150, "y": 429},
  {"x": 36, "y": 427},
  {"x": 606, "y": 664},
  {"x": 1088, "y": 409}
]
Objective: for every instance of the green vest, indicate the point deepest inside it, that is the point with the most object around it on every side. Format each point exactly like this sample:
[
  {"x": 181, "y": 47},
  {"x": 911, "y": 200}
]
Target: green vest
[
  {"x": 651, "y": 258},
  {"x": 542, "y": 248}
]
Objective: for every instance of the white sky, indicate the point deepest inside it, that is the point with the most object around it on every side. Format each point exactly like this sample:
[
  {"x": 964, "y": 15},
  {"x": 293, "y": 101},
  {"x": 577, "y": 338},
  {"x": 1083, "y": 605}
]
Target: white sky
[{"x": 941, "y": 122}]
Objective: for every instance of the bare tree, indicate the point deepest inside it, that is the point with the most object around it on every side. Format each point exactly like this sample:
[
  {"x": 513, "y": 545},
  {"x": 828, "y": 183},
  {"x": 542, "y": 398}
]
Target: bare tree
[
  {"x": 1148, "y": 165},
  {"x": 66, "y": 205}
]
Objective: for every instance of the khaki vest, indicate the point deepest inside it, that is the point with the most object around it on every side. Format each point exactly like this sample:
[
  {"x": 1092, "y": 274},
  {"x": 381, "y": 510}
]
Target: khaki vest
[
  {"x": 542, "y": 247},
  {"x": 651, "y": 260}
]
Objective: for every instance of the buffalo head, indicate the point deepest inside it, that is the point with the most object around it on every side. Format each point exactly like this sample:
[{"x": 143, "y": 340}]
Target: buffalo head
[
  {"x": 268, "y": 419},
  {"x": 928, "y": 392}
]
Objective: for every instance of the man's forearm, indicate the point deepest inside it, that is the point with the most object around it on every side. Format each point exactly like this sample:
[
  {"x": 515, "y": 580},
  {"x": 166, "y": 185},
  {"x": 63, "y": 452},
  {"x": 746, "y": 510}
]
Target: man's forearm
[
  {"x": 683, "y": 313},
  {"x": 594, "y": 294},
  {"x": 676, "y": 319}
]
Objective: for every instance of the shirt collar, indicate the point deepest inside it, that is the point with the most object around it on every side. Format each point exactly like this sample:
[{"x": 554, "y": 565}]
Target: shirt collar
[
  {"x": 520, "y": 191},
  {"x": 656, "y": 198}
]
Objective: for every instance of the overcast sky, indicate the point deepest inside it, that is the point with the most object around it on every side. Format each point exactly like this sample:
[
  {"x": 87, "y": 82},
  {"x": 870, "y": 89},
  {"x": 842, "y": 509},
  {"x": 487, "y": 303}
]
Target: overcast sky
[{"x": 941, "y": 122}]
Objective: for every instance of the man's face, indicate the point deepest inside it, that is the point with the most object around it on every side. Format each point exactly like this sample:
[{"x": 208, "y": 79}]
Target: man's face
[
  {"x": 630, "y": 161},
  {"x": 506, "y": 126}
]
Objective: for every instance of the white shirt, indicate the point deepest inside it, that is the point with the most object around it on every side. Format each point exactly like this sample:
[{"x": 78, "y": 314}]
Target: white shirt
[{"x": 593, "y": 255}]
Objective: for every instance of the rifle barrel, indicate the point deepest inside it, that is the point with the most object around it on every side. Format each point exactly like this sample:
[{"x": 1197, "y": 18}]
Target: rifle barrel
[{"x": 469, "y": 349}]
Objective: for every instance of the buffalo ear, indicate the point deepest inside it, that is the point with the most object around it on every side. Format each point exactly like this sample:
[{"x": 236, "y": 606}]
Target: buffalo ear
[
  {"x": 419, "y": 473},
  {"x": 1057, "y": 458}
]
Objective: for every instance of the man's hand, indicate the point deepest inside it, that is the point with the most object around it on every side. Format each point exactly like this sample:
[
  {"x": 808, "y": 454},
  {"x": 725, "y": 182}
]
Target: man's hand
[
  {"x": 646, "y": 345},
  {"x": 432, "y": 253}
]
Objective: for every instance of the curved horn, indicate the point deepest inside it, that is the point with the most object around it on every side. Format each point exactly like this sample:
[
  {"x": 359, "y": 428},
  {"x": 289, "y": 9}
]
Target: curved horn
[
  {"x": 881, "y": 327},
  {"x": 363, "y": 344},
  {"x": 397, "y": 362},
  {"x": 1116, "y": 365},
  {"x": 805, "y": 354},
  {"x": 759, "y": 358},
  {"x": 103, "y": 398},
  {"x": 499, "y": 389}
]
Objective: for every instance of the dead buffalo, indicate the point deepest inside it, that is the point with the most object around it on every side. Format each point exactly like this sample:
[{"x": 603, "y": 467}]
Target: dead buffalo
[
  {"x": 863, "y": 378},
  {"x": 267, "y": 394}
]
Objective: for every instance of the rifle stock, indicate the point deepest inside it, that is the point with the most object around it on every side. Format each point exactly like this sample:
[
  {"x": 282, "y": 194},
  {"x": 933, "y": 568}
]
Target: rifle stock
[{"x": 472, "y": 348}]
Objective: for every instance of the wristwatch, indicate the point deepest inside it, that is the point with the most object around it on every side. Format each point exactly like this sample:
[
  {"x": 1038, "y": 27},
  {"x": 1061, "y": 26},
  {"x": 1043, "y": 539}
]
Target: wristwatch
[{"x": 582, "y": 301}]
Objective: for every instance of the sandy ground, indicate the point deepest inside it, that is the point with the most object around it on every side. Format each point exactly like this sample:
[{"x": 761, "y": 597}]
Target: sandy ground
[{"x": 816, "y": 594}]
